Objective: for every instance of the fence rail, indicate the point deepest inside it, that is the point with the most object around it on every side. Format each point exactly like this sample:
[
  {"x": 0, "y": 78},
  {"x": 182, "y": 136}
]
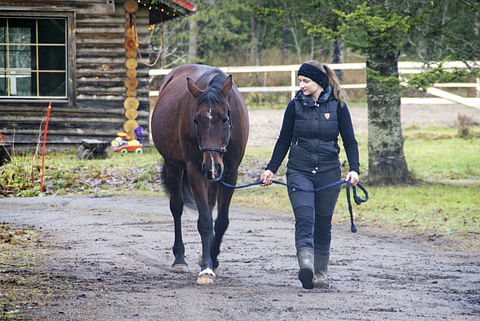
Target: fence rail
[{"x": 404, "y": 68}]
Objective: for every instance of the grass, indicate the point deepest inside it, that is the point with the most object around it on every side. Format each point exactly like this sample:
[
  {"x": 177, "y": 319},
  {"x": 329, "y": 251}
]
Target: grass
[
  {"x": 65, "y": 174},
  {"x": 443, "y": 203}
]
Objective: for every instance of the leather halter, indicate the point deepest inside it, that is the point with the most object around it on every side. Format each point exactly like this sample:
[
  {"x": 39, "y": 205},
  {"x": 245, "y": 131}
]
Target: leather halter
[
  {"x": 217, "y": 149},
  {"x": 213, "y": 149}
]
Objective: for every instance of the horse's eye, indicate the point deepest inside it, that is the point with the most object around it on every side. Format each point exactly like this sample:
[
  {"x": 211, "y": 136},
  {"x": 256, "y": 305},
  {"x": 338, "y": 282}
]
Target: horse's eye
[{"x": 195, "y": 119}]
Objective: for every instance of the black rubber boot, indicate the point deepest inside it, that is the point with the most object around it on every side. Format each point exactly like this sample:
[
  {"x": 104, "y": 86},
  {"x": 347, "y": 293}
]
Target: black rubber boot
[
  {"x": 305, "y": 261},
  {"x": 321, "y": 267}
]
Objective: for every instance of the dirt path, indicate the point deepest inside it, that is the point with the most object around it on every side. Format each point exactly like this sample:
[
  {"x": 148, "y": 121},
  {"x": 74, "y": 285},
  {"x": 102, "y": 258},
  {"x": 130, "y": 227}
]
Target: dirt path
[
  {"x": 114, "y": 255},
  {"x": 108, "y": 258}
]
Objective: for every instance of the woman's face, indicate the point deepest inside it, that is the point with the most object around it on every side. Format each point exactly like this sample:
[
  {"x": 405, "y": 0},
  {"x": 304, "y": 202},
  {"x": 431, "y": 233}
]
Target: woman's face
[{"x": 309, "y": 87}]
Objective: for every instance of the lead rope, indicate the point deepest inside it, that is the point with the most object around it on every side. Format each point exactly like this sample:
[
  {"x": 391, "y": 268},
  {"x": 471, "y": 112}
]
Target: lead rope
[{"x": 358, "y": 200}]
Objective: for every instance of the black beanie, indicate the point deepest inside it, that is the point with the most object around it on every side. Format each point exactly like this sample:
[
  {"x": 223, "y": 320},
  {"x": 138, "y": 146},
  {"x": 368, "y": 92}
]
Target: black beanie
[{"x": 314, "y": 74}]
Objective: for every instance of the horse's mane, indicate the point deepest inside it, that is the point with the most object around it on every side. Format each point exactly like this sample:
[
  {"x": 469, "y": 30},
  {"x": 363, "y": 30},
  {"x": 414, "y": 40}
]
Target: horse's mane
[{"x": 212, "y": 93}]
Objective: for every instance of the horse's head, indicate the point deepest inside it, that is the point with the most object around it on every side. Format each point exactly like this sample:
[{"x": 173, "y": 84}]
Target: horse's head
[{"x": 213, "y": 124}]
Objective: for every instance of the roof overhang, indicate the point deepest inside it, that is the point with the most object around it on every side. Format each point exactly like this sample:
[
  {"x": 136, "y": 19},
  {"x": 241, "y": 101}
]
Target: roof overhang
[{"x": 164, "y": 10}]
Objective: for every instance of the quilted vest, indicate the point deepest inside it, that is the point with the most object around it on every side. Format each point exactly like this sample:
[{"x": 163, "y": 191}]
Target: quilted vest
[{"x": 314, "y": 147}]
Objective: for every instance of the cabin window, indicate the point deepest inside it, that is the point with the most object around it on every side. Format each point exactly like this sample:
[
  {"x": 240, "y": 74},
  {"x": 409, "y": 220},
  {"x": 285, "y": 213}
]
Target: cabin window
[{"x": 33, "y": 58}]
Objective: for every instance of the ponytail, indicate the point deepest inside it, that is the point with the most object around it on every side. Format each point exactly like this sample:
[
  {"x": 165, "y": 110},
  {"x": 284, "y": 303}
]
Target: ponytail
[{"x": 338, "y": 91}]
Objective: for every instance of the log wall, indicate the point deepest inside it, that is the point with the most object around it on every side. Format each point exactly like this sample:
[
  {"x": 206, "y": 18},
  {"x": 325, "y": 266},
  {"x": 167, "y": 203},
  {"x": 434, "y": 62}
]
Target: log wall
[{"x": 95, "y": 109}]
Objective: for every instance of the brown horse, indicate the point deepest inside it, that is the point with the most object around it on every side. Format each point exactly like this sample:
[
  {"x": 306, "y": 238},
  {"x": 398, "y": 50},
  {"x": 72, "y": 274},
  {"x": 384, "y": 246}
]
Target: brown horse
[{"x": 200, "y": 127}]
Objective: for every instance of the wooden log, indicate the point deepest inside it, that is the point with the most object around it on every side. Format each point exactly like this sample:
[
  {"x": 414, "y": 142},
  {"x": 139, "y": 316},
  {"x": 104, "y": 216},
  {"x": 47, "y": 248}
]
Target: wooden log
[
  {"x": 132, "y": 53},
  {"x": 131, "y": 63},
  {"x": 131, "y": 6},
  {"x": 130, "y": 125},
  {"x": 131, "y": 83},
  {"x": 131, "y": 73},
  {"x": 131, "y": 114},
  {"x": 131, "y": 92},
  {"x": 130, "y": 32},
  {"x": 131, "y": 103},
  {"x": 131, "y": 43}
]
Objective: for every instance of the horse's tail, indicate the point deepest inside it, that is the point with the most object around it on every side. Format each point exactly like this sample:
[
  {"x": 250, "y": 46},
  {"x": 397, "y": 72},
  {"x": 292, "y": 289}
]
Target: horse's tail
[{"x": 188, "y": 198}]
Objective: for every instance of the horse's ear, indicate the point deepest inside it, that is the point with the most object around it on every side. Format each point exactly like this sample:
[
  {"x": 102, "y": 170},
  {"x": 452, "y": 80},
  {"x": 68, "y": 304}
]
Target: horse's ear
[
  {"x": 194, "y": 90},
  {"x": 227, "y": 86}
]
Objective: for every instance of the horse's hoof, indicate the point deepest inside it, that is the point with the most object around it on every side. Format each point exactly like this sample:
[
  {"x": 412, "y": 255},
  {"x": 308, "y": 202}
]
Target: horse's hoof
[
  {"x": 180, "y": 268},
  {"x": 206, "y": 277}
]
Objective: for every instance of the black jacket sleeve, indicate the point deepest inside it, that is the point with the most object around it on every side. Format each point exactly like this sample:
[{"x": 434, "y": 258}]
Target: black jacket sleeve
[{"x": 348, "y": 137}]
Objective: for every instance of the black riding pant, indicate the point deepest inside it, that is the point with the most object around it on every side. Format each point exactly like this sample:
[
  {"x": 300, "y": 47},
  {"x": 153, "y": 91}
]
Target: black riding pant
[{"x": 313, "y": 210}]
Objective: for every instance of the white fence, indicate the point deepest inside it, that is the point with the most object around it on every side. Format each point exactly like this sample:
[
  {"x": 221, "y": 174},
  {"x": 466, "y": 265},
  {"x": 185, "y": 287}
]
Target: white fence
[{"x": 404, "y": 67}]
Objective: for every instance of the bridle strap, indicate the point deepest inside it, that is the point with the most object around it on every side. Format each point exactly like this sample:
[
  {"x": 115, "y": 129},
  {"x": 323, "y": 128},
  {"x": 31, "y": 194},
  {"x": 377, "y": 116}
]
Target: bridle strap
[{"x": 213, "y": 149}]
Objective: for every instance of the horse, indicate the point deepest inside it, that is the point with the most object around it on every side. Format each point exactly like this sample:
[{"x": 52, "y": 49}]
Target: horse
[{"x": 200, "y": 127}]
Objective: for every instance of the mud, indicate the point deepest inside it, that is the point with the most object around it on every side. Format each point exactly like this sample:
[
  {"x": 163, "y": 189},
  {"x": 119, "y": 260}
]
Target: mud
[{"x": 108, "y": 258}]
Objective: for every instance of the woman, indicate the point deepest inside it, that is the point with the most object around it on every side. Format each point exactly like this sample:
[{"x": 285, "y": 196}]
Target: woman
[{"x": 311, "y": 125}]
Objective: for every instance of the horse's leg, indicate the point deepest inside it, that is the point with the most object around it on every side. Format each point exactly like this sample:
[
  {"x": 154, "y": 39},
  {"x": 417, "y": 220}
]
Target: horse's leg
[
  {"x": 221, "y": 223},
  {"x": 204, "y": 223},
  {"x": 174, "y": 183}
]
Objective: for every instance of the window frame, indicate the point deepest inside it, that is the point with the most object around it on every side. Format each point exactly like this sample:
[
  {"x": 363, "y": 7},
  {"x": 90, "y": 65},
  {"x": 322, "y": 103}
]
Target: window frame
[{"x": 70, "y": 63}]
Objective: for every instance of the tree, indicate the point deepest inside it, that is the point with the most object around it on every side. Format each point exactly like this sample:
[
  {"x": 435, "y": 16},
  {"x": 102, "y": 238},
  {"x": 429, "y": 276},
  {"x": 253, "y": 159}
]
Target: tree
[
  {"x": 380, "y": 30},
  {"x": 381, "y": 33}
]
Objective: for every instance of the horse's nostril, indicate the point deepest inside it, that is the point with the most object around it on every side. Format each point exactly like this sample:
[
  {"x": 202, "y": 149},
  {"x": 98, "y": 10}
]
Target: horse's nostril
[
  {"x": 218, "y": 170},
  {"x": 214, "y": 173},
  {"x": 205, "y": 170}
]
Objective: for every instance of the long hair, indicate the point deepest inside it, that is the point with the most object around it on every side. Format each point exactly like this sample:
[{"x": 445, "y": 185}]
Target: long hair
[{"x": 338, "y": 91}]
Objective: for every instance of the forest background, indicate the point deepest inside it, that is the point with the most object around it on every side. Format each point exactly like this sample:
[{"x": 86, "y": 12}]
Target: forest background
[
  {"x": 281, "y": 32},
  {"x": 378, "y": 32}
]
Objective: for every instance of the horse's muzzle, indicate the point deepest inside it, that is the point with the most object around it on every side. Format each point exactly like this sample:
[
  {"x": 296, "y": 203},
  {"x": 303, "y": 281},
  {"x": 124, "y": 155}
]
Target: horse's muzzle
[{"x": 213, "y": 173}]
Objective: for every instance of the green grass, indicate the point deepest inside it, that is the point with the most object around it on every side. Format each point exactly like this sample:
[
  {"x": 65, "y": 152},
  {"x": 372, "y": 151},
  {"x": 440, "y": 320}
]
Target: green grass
[
  {"x": 444, "y": 202},
  {"x": 65, "y": 174}
]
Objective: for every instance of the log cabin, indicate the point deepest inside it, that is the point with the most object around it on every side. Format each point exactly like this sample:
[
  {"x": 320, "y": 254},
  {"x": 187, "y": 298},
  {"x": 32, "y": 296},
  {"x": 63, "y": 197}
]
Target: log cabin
[{"x": 89, "y": 58}]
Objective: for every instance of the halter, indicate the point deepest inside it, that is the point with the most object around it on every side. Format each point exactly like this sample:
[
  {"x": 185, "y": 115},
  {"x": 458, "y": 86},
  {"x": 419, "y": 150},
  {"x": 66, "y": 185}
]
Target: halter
[
  {"x": 217, "y": 149},
  {"x": 213, "y": 149}
]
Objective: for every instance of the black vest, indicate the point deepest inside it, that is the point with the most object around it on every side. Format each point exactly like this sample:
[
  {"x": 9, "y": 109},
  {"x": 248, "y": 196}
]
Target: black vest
[{"x": 314, "y": 146}]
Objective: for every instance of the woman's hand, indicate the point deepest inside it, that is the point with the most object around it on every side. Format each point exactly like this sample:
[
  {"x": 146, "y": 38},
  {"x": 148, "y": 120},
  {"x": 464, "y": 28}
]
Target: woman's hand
[
  {"x": 353, "y": 177},
  {"x": 266, "y": 178}
]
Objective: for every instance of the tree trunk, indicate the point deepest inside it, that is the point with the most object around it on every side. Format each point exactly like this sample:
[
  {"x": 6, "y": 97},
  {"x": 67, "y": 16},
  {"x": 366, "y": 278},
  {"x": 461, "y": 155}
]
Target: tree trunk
[
  {"x": 386, "y": 160},
  {"x": 192, "y": 41},
  {"x": 338, "y": 56},
  {"x": 284, "y": 44},
  {"x": 254, "y": 54},
  {"x": 165, "y": 46}
]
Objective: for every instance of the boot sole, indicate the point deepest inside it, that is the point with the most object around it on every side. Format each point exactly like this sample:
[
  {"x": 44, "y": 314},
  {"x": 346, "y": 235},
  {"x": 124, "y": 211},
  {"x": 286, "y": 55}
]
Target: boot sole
[{"x": 306, "y": 277}]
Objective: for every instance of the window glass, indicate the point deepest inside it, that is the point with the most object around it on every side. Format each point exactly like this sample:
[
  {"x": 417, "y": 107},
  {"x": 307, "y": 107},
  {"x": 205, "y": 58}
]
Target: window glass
[
  {"x": 3, "y": 57},
  {"x": 31, "y": 66},
  {"x": 3, "y": 84},
  {"x": 3, "y": 30},
  {"x": 51, "y": 58},
  {"x": 21, "y": 30},
  {"x": 52, "y": 84},
  {"x": 22, "y": 57},
  {"x": 51, "y": 31},
  {"x": 23, "y": 83}
]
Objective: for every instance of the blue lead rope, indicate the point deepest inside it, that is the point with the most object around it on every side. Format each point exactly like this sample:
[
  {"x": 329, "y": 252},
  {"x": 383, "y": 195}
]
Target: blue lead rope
[{"x": 358, "y": 200}]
